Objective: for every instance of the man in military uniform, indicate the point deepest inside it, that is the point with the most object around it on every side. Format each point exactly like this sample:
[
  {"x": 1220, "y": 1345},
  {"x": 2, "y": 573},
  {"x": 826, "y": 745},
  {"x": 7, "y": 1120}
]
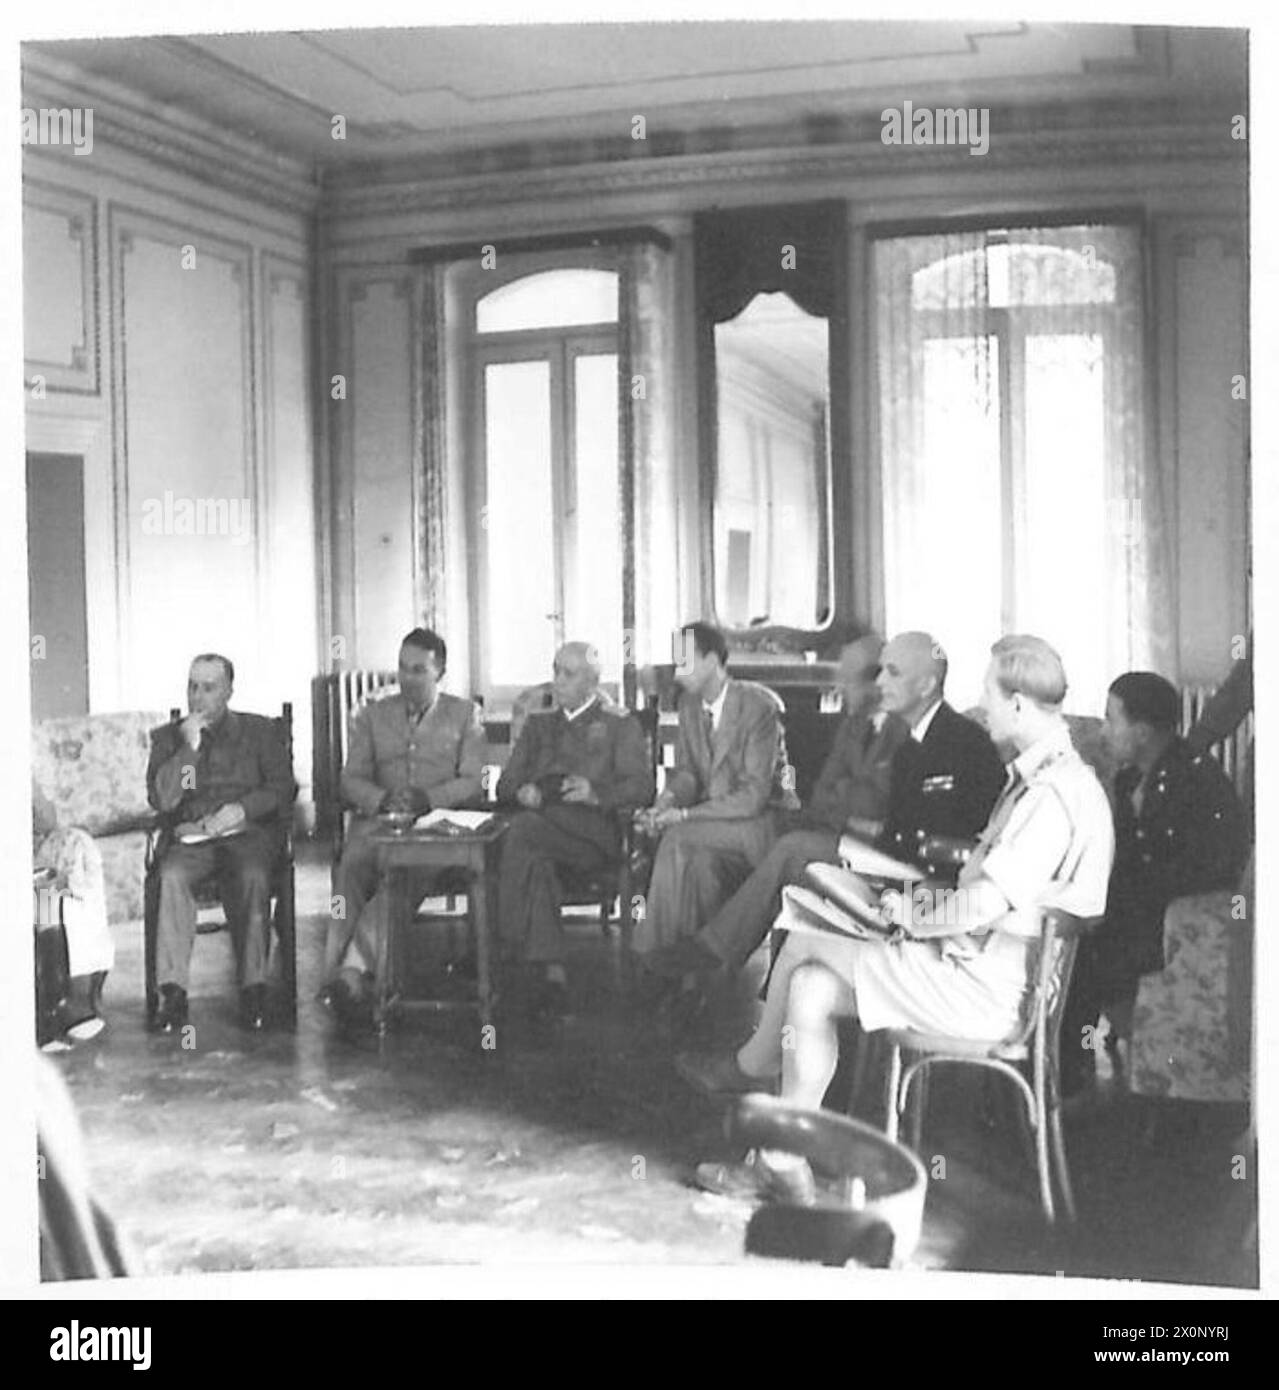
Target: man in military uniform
[
  {"x": 412, "y": 751},
  {"x": 573, "y": 771},
  {"x": 1179, "y": 829}
]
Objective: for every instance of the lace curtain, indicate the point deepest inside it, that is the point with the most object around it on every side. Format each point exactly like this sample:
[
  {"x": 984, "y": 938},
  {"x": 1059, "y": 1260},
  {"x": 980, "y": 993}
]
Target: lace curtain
[{"x": 1020, "y": 491}]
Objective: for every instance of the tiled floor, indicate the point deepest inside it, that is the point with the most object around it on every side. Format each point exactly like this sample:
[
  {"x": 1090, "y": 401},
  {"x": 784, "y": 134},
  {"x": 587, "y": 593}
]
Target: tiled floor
[{"x": 301, "y": 1150}]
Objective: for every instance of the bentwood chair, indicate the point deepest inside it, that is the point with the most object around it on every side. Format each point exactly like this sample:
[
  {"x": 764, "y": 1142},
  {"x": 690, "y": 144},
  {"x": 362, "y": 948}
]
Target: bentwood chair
[
  {"x": 212, "y": 917},
  {"x": 1029, "y": 1057}
]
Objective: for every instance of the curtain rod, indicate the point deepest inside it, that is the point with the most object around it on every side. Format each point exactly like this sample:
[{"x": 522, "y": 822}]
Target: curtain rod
[{"x": 563, "y": 241}]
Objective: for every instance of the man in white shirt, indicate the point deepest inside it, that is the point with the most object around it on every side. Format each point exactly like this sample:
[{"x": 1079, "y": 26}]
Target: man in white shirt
[{"x": 961, "y": 972}]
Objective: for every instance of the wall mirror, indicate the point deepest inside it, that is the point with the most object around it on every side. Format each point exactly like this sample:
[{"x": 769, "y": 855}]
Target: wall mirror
[{"x": 769, "y": 288}]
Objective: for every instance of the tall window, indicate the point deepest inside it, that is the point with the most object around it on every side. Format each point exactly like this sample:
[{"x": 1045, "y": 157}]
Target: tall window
[
  {"x": 1017, "y": 490},
  {"x": 550, "y": 551}
]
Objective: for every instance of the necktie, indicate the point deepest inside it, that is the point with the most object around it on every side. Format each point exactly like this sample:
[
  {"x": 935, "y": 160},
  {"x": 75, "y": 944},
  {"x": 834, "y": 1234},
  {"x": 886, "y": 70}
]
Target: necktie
[{"x": 708, "y": 726}]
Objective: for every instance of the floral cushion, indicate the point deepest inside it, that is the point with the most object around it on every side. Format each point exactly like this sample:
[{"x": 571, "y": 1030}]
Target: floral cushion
[
  {"x": 1191, "y": 1024},
  {"x": 93, "y": 768},
  {"x": 123, "y": 869}
]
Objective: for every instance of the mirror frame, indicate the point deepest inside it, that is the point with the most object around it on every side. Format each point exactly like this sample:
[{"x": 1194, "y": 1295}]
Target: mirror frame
[{"x": 737, "y": 256}]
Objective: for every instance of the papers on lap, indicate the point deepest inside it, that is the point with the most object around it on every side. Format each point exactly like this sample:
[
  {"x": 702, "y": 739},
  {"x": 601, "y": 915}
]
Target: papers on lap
[
  {"x": 202, "y": 837},
  {"x": 872, "y": 864},
  {"x": 805, "y": 911},
  {"x": 453, "y": 822}
]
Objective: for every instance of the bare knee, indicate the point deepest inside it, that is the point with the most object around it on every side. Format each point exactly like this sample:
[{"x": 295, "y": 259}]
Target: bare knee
[{"x": 814, "y": 994}]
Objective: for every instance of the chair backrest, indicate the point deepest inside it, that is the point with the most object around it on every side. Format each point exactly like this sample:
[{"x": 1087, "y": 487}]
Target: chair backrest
[
  {"x": 1050, "y": 966},
  {"x": 334, "y": 699},
  {"x": 1232, "y": 752}
]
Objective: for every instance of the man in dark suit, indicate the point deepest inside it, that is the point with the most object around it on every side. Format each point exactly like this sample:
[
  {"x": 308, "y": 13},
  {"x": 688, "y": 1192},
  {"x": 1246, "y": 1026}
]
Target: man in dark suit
[
  {"x": 943, "y": 777},
  {"x": 225, "y": 777},
  {"x": 572, "y": 772},
  {"x": 715, "y": 816},
  {"x": 1179, "y": 829},
  {"x": 413, "y": 751}
]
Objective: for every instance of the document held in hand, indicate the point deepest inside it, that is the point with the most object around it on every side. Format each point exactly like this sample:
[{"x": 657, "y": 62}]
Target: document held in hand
[{"x": 870, "y": 863}]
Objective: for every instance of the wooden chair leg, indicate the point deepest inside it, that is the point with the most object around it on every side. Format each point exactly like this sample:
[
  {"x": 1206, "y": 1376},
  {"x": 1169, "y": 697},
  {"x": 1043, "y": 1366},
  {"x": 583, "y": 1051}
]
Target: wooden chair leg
[
  {"x": 893, "y": 1091},
  {"x": 919, "y": 1099},
  {"x": 1059, "y": 1160}
]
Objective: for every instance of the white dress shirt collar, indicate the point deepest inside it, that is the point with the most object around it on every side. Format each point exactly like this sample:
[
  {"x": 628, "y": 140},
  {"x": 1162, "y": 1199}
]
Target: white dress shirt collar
[
  {"x": 920, "y": 727},
  {"x": 571, "y": 715}
]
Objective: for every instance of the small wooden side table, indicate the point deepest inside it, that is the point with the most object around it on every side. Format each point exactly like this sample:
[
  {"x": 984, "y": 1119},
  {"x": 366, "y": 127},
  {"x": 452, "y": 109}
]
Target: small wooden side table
[{"x": 402, "y": 855}]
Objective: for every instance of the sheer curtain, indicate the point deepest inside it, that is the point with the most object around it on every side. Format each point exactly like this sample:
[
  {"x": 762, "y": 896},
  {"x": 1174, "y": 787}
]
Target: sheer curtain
[
  {"x": 1019, "y": 490},
  {"x": 647, "y": 496}
]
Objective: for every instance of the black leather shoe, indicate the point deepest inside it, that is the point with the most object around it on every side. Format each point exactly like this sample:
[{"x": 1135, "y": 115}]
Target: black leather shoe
[
  {"x": 349, "y": 1003},
  {"x": 253, "y": 1008},
  {"x": 172, "y": 1012}
]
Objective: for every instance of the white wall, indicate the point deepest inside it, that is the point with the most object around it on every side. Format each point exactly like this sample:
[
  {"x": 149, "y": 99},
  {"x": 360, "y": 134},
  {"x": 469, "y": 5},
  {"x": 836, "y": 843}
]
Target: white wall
[{"x": 168, "y": 330}]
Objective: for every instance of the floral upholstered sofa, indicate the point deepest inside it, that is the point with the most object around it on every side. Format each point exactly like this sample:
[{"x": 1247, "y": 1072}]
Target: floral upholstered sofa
[{"x": 93, "y": 770}]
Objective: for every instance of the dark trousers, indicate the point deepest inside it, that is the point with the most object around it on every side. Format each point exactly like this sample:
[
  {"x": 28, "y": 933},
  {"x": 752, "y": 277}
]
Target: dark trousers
[
  {"x": 243, "y": 865},
  {"x": 743, "y": 922},
  {"x": 1102, "y": 980},
  {"x": 359, "y": 914},
  {"x": 536, "y": 847}
]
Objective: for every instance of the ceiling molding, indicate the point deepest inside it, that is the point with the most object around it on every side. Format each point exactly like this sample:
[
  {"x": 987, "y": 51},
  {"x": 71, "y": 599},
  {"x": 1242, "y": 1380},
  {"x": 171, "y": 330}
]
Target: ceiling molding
[
  {"x": 1105, "y": 142},
  {"x": 171, "y": 137}
]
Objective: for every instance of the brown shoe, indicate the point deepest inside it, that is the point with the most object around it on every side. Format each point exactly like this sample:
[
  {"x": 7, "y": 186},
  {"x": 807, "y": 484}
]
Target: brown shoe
[{"x": 721, "y": 1076}]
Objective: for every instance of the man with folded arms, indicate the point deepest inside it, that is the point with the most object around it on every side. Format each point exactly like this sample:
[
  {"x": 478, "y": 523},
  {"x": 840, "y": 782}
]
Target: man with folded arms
[
  {"x": 572, "y": 771},
  {"x": 961, "y": 968},
  {"x": 226, "y": 775},
  {"x": 413, "y": 751},
  {"x": 927, "y": 771}
]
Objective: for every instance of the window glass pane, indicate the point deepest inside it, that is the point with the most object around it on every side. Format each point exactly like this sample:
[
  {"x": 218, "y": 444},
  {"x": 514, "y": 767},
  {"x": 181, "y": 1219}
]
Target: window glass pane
[
  {"x": 1061, "y": 590},
  {"x": 593, "y": 593},
  {"x": 519, "y": 523},
  {"x": 1008, "y": 275},
  {"x": 552, "y": 299},
  {"x": 943, "y": 528}
]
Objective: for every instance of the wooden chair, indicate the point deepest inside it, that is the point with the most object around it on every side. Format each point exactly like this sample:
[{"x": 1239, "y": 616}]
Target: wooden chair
[
  {"x": 1034, "y": 1047},
  {"x": 211, "y": 915},
  {"x": 613, "y": 882}
]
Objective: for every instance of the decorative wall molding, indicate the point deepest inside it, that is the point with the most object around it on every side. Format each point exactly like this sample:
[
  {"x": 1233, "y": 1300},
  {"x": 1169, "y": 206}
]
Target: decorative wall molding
[{"x": 78, "y": 212}]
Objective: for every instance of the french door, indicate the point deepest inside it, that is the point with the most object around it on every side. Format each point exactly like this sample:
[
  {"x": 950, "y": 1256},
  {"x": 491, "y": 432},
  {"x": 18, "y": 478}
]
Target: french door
[{"x": 549, "y": 556}]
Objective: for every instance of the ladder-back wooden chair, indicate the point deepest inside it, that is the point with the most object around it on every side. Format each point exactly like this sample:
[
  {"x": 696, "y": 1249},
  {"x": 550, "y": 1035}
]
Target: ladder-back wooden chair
[{"x": 211, "y": 914}]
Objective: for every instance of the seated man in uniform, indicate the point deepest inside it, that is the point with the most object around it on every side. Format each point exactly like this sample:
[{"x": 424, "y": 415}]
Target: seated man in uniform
[
  {"x": 1179, "y": 829},
  {"x": 572, "y": 772},
  {"x": 413, "y": 751},
  {"x": 715, "y": 815},
  {"x": 960, "y": 970},
  {"x": 926, "y": 771},
  {"x": 225, "y": 775}
]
